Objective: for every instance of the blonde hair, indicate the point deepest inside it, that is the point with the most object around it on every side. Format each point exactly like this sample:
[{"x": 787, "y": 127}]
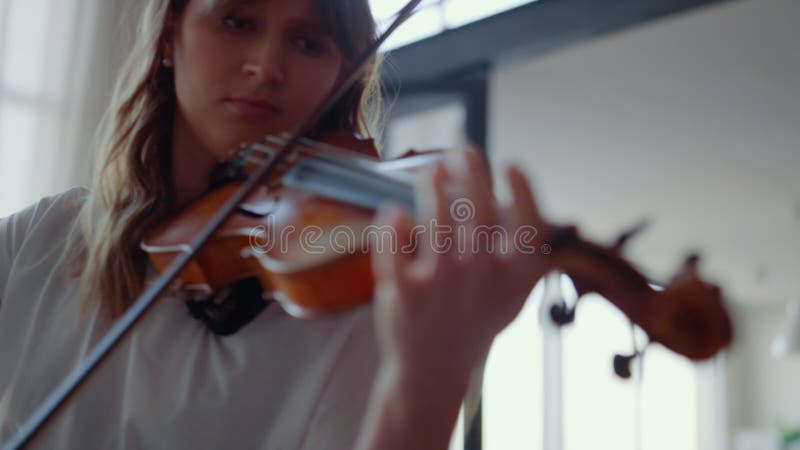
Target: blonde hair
[{"x": 132, "y": 190}]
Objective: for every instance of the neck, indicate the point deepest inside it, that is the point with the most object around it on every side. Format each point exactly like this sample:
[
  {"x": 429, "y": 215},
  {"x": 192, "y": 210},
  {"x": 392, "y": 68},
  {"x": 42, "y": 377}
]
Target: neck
[{"x": 192, "y": 164}]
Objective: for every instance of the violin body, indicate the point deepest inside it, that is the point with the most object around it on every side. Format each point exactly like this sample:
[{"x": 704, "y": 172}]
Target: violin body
[
  {"x": 308, "y": 252},
  {"x": 274, "y": 241}
]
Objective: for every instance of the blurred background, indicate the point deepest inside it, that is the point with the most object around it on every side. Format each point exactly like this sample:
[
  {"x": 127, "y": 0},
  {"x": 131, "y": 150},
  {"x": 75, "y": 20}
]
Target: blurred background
[{"x": 682, "y": 112}]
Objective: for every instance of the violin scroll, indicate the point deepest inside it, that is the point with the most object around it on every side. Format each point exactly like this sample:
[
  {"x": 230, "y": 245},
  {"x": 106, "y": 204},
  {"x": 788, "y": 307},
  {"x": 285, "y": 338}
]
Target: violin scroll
[{"x": 687, "y": 315}]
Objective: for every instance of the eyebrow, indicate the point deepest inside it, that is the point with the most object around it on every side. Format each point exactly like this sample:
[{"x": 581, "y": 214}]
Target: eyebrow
[
  {"x": 316, "y": 23},
  {"x": 216, "y": 6}
]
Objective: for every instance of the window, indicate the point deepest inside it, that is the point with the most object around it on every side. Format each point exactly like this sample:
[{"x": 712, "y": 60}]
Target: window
[
  {"x": 434, "y": 16},
  {"x": 38, "y": 67},
  {"x": 657, "y": 411},
  {"x": 554, "y": 388},
  {"x": 513, "y": 384}
]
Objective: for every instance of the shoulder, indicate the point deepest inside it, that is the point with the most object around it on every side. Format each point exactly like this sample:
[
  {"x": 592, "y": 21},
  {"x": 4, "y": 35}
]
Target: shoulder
[
  {"x": 38, "y": 230},
  {"x": 39, "y": 226},
  {"x": 63, "y": 203},
  {"x": 59, "y": 202},
  {"x": 57, "y": 209}
]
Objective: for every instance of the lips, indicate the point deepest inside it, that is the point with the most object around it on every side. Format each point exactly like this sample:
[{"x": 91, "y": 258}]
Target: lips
[{"x": 250, "y": 107}]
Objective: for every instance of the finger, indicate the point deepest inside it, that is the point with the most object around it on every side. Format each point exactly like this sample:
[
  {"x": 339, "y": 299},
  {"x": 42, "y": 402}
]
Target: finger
[
  {"x": 479, "y": 238},
  {"x": 437, "y": 238},
  {"x": 530, "y": 231},
  {"x": 484, "y": 172},
  {"x": 524, "y": 209},
  {"x": 388, "y": 241},
  {"x": 474, "y": 172}
]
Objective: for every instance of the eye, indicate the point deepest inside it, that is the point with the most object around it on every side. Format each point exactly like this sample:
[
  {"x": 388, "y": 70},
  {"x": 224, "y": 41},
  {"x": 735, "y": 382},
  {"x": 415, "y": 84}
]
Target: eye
[
  {"x": 310, "y": 45},
  {"x": 237, "y": 23}
]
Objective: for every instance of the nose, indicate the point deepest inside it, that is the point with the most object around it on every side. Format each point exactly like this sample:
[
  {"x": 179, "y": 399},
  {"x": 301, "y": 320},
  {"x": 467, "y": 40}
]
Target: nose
[{"x": 267, "y": 63}]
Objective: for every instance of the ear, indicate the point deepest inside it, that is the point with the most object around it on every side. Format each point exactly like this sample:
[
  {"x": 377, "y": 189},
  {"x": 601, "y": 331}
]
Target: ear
[{"x": 167, "y": 36}]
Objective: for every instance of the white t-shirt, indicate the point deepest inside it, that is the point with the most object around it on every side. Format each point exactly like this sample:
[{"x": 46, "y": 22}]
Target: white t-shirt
[{"x": 277, "y": 383}]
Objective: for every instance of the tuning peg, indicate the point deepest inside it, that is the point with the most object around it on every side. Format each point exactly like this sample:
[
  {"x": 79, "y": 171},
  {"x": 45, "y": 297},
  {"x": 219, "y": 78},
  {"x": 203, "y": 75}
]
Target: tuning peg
[
  {"x": 622, "y": 364},
  {"x": 629, "y": 233},
  {"x": 561, "y": 314},
  {"x": 691, "y": 262},
  {"x": 688, "y": 269}
]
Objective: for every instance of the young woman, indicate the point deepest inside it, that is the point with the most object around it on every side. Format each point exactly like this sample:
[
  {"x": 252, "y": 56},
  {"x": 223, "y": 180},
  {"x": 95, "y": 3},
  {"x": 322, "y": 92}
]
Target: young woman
[{"x": 204, "y": 76}]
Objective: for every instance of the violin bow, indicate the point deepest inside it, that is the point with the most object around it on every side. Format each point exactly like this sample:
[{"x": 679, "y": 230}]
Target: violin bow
[{"x": 47, "y": 409}]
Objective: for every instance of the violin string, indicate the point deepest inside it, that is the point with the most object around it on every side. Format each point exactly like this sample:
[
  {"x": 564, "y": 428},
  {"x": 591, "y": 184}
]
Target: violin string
[
  {"x": 46, "y": 410},
  {"x": 401, "y": 182},
  {"x": 396, "y": 172},
  {"x": 343, "y": 157},
  {"x": 306, "y": 146}
]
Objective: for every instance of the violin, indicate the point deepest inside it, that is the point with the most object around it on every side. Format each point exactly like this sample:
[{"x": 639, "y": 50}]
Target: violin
[{"x": 336, "y": 184}]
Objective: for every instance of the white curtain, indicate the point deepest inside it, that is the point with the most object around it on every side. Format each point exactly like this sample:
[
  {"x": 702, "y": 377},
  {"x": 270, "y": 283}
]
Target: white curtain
[{"x": 58, "y": 59}]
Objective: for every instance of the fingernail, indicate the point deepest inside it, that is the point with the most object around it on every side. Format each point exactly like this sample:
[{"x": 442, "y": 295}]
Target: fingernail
[
  {"x": 454, "y": 160},
  {"x": 385, "y": 211}
]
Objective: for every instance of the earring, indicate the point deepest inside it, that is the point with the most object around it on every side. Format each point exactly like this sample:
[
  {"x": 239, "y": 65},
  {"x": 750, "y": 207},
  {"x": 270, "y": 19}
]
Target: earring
[
  {"x": 166, "y": 62},
  {"x": 250, "y": 68}
]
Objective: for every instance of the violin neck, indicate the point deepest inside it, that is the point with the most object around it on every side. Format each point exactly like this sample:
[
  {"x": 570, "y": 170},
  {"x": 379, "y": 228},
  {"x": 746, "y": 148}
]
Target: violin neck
[{"x": 358, "y": 182}]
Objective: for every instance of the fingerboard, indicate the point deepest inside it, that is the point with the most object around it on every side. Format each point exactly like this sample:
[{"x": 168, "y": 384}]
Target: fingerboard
[{"x": 358, "y": 182}]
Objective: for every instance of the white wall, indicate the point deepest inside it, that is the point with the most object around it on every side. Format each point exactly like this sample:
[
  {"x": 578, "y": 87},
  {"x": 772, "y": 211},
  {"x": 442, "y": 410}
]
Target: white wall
[{"x": 693, "y": 122}]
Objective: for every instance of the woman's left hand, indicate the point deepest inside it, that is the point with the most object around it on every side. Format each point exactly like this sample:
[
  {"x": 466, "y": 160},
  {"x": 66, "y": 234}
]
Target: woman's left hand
[{"x": 439, "y": 308}]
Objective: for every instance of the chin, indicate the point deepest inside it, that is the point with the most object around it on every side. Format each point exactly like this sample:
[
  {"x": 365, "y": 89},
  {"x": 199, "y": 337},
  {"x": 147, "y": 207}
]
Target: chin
[{"x": 253, "y": 133}]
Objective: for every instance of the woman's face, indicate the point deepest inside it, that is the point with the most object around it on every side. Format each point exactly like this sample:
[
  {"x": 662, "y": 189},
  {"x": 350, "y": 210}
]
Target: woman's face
[{"x": 251, "y": 69}]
